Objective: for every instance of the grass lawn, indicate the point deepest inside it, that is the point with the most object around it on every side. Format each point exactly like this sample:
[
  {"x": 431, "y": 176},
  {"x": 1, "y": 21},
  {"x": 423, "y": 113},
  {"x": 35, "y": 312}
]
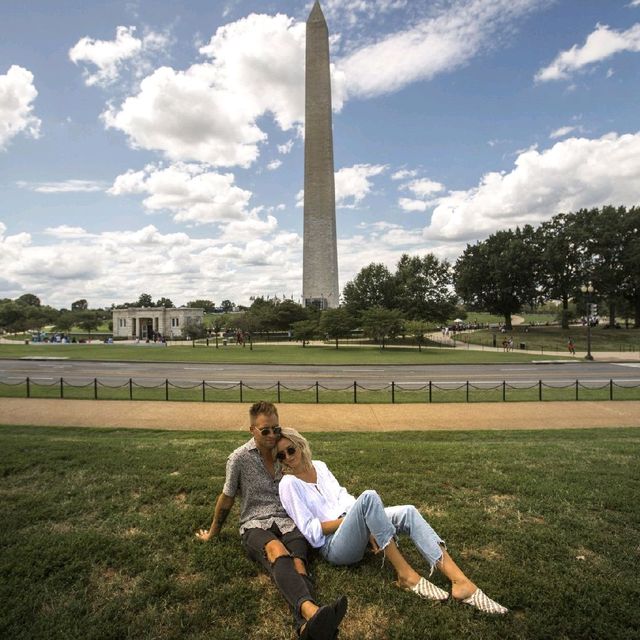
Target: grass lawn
[
  {"x": 541, "y": 339},
  {"x": 97, "y": 535},
  {"x": 262, "y": 354}
]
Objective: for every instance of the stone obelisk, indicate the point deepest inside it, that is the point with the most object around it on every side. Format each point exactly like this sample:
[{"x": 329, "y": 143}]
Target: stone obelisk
[{"x": 320, "y": 253}]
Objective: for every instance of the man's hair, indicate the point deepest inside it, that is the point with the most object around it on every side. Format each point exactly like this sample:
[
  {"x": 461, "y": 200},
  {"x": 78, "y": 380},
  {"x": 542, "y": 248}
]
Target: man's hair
[{"x": 262, "y": 408}]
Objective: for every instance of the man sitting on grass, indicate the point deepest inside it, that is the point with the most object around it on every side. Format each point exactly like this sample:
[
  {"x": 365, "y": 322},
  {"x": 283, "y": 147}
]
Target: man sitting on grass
[{"x": 268, "y": 534}]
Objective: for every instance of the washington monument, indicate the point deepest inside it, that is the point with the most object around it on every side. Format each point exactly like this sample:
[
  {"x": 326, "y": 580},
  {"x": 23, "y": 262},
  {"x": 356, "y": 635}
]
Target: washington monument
[{"x": 320, "y": 254}]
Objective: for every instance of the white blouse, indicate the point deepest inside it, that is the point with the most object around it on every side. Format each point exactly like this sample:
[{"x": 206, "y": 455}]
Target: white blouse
[{"x": 309, "y": 504}]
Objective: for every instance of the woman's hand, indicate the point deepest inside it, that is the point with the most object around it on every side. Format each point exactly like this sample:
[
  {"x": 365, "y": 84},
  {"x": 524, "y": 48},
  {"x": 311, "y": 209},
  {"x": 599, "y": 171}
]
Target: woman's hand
[
  {"x": 204, "y": 535},
  {"x": 373, "y": 544}
]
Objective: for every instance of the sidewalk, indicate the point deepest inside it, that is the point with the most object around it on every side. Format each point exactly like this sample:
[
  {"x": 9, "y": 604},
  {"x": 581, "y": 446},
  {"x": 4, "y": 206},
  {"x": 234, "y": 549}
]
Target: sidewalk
[{"x": 196, "y": 416}]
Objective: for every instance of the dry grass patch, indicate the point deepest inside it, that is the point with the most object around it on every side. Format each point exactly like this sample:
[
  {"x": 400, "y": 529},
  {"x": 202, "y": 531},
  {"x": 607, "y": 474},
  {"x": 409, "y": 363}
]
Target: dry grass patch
[
  {"x": 488, "y": 552},
  {"x": 365, "y": 622}
]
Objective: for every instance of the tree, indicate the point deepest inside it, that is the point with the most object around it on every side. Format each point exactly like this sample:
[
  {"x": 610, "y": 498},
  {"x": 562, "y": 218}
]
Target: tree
[
  {"x": 417, "y": 329},
  {"x": 287, "y": 313},
  {"x": 29, "y": 299},
  {"x": 499, "y": 273},
  {"x": 424, "y": 288},
  {"x": 379, "y": 323},
  {"x": 305, "y": 330},
  {"x": 88, "y": 321},
  {"x": 336, "y": 323},
  {"x": 208, "y": 305},
  {"x": 166, "y": 303},
  {"x": 66, "y": 321},
  {"x": 193, "y": 329},
  {"x": 372, "y": 287},
  {"x": 227, "y": 305},
  {"x": 13, "y": 316},
  {"x": 631, "y": 263},
  {"x": 79, "y": 305},
  {"x": 145, "y": 300}
]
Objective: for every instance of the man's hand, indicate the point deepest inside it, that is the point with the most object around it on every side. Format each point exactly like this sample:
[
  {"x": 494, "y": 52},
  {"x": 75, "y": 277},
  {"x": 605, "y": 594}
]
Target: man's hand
[{"x": 204, "y": 534}]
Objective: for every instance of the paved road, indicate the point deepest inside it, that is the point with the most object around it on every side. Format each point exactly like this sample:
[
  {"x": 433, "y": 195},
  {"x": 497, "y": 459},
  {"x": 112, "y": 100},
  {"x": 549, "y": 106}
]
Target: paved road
[{"x": 560, "y": 373}]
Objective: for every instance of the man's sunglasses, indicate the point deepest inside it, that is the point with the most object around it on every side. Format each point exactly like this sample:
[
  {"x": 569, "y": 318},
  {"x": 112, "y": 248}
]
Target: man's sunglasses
[
  {"x": 289, "y": 451},
  {"x": 267, "y": 430}
]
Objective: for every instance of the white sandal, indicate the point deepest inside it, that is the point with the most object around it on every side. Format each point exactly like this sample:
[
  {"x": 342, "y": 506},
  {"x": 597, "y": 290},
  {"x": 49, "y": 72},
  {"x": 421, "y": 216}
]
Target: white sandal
[
  {"x": 429, "y": 591},
  {"x": 480, "y": 601}
]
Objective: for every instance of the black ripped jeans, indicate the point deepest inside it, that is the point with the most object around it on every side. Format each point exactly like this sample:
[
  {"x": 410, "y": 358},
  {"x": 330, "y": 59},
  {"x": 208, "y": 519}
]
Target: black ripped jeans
[{"x": 295, "y": 588}]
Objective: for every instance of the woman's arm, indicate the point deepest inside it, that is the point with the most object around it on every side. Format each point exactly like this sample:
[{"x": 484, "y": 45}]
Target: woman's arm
[{"x": 330, "y": 526}]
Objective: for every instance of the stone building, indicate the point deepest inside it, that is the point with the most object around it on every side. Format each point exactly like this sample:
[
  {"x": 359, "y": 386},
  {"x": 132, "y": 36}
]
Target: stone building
[{"x": 145, "y": 322}]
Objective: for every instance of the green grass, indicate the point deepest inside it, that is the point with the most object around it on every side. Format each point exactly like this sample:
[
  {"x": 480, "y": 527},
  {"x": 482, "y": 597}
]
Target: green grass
[
  {"x": 541, "y": 339},
  {"x": 262, "y": 354},
  {"x": 97, "y": 535}
]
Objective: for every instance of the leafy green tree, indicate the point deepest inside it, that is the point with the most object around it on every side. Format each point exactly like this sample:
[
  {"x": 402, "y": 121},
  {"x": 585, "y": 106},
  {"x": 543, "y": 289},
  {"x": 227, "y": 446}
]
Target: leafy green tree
[
  {"x": 29, "y": 299},
  {"x": 66, "y": 321},
  {"x": 372, "y": 287},
  {"x": 193, "y": 329},
  {"x": 79, "y": 305},
  {"x": 209, "y": 306},
  {"x": 418, "y": 329},
  {"x": 631, "y": 263},
  {"x": 145, "y": 300},
  {"x": 379, "y": 323},
  {"x": 88, "y": 321},
  {"x": 424, "y": 288},
  {"x": 499, "y": 274},
  {"x": 305, "y": 330},
  {"x": 13, "y": 317},
  {"x": 336, "y": 323},
  {"x": 227, "y": 305},
  {"x": 287, "y": 313},
  {"x": 166, "y": 303}
]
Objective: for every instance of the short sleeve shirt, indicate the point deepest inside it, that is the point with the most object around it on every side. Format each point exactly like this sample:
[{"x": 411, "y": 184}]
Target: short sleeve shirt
[{"x": 260, "y": 505}]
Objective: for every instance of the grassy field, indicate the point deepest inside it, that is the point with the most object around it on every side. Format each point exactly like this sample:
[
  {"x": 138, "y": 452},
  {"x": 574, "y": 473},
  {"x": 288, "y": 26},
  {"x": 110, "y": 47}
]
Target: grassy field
[
  {"x": 261, "y": 354},
  {"x": 540, "y": 339},
  {"x": 97, "y": 535}
]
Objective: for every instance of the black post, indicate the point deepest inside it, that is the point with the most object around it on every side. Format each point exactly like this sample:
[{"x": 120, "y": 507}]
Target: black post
[
  {"x": 540, "y": 390},
  {"x": 576, "y": 389},
  {"x": 61, "y": 388},
  {"x": 467, "y": 391},
  {"x": 28, "y": 388},
  {"x": 95, "y": 388},
  {"x": 240, "y": 390},
  {"x": 393, "y": 392},
  {"x": 166, "y": 389},
  {"x": 355, "y": 393},
  {"x": 278, "y": 385},
  {"x": 130, "y": 389},
  {"x": 317, "y": 393},
  {"x": 504, "y": 391},
  {"x": 430, "y": 396},
  {"x": 610, "y": 389},
  {"x": 203, "y": 393}
]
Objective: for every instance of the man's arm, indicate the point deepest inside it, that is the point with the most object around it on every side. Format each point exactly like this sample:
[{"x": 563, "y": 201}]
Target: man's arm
[{"x": 223, "y": 506}]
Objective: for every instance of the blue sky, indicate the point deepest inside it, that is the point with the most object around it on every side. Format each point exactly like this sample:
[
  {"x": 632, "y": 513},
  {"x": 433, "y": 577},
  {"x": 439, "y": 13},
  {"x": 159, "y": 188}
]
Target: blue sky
[{"x": 157, "y": 146}]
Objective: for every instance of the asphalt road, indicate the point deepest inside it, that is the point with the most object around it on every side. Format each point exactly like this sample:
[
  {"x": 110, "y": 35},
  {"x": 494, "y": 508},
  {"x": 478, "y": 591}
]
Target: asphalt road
[{"x": 558, "y": 373}]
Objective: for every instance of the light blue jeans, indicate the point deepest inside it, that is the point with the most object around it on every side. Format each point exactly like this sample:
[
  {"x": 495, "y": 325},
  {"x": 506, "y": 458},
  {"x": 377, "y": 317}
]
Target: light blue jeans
[{"x": 368, "y": 515}]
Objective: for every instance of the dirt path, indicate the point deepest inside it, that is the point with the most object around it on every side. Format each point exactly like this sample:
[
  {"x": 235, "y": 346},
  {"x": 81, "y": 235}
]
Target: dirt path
[{"x": 336, "y": 417}]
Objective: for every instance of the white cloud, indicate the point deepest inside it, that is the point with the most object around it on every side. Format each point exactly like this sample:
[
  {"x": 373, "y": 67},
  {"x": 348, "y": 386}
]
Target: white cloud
[
  {"x": 561, "y": 132},
  {"x": 65, "y": 186},
  {"x": 634, "y": 3},
  {"x": 353, "y": 183},
  {"x": 189, "y": 191},
  {"x": 286, "y": 147},
  {"x": 424, "y": 187},
  {"x": 209, "y": 112},
  {"x": 433, "y": 46},
  {"x": 274, "y": 164},
  {"x": 403, "y": 174},
  {"x": 599, "y": 45},
  {"x": 410, "y": 204},
  {"x": 17, "y": 93},
  {"x": 111, "y": 56},
  {"x": 574, "y": 173},
  {"x": 66, "y": 231}
]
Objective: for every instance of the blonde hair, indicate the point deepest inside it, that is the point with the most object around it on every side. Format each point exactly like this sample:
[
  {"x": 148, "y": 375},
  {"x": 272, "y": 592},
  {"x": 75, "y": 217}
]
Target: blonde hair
[{"x": 300, "y": 443}]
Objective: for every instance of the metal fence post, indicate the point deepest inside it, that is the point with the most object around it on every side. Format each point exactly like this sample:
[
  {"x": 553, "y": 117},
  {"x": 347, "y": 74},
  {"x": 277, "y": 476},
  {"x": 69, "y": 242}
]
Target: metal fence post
[
  {"x": 610, "y": 388},
  {"x": 28, "y": 388},
  {"x": 278, "y": 387},
  {"x": 317, "y": 393},
  {"x": 355, "y": 393},
  {"x": 203, "y": 393},
  {"x": 393, "y": 392},
  {"x": 240, "y": 390},
  {"x": 130, "y": 389},
  {"x": 576, "y": 389},
  {"x": 540, "y": 390},
  {"x": 430, "y": 395},
  {"x": 504, "y": 391},
  {"x": 95, "y": 388},
  {"x": 467, "y": 391},
  {"x": 61, "y": 388},
  {"x": 166, "y": 389}
]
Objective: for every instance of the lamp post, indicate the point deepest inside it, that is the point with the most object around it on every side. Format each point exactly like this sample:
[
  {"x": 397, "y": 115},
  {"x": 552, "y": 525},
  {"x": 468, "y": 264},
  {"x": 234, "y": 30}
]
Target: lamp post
[{"x": 588, "y": 290}]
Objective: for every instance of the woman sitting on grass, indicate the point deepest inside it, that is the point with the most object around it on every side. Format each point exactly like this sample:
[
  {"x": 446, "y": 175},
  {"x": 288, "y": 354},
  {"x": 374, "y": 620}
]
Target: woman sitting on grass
[{"x": 341, "y": 526}]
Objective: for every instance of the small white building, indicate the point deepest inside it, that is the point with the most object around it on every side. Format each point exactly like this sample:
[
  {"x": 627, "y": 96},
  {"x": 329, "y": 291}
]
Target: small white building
[{"x": 149, "y": 322}]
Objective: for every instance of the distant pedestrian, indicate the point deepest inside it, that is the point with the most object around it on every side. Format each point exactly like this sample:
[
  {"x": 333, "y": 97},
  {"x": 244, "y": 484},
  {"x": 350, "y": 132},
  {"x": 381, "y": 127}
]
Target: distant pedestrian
[{"x": 571, "y": 347}]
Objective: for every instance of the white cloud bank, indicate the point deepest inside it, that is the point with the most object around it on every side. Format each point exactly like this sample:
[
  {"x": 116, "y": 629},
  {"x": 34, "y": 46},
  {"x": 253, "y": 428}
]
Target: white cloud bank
[
  {"x": 603, "y": 43},
  {"x": 17, "y": 93},
  {"x": 111, "y": 56},
  {"x": 574, "y": 173}
]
